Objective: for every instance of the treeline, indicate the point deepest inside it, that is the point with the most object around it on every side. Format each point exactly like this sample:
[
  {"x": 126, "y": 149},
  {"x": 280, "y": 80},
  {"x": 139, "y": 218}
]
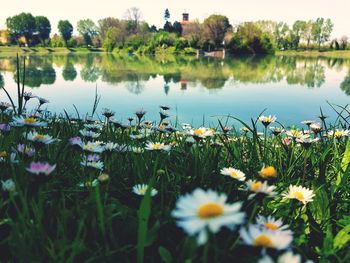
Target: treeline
[{"x": 132, "y": 34}]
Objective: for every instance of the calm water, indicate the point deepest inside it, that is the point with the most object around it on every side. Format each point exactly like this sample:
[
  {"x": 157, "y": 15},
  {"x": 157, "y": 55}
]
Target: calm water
[{"x": 292, "y": 88}]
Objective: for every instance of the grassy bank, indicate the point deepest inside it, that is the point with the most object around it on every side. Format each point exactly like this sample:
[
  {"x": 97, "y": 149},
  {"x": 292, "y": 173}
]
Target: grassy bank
[
  {"x": 45, "y": 50},
  {"x": 315, "y": 53}
]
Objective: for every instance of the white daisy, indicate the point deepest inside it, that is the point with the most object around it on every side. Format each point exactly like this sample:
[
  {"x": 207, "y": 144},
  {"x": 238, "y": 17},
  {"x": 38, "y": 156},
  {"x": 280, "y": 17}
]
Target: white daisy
[
  {"x": 89, "y": 134},
  {"x": 203, "y": 211},
  {"x": 93, "y": 164},
  {"x": 19, "y": 121},
  {"x": 37, "y": 137},
  {"x": 233, "y": 173},
  {"x": 141, "y": 189},
  {"x": 8, "y": 185},
  {"x": 94, "y": 147},
  {"x": 202, "y": 132},
  {"x": 266, "y": 120},
  {"x": 339, "y": 133},
  {"x": 271, "y": 223},
  {"x": 294, "y": 133},
  {"x": 258, "y": 187},
  {"x": 260, "y": 237},
  {"x": 299, "y": 193},
  {"x": 89, "y": 183},
  {"x": 289, "y": 257},
  {"x": 157, "y": 146}
]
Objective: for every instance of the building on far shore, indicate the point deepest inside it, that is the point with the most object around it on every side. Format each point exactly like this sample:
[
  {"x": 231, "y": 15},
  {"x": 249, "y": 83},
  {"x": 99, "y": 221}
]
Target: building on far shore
[
  {"x": 4, "y": 37},
  {"x": 185, "y": 18}
]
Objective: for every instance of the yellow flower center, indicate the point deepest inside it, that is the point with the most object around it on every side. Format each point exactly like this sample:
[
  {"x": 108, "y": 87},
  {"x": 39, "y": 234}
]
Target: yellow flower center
[
  {"x": 30, "y": 120},
  {"x": 103, "y": 177},
  {"x": 39, "y": 137},
  {"x": 142, "y": 191},
  {"x": 267, "y": 119},
  {"x": 256, "y": 185},
  {"x": 88, "y": 147},
  {"x": 157, "y": 146},
  {"x": 338, "y": 134},
  {"x": 233, "y": 174},
  {"x": 210, "y": 210},
  {"x": 263, "y": 241},
  {"x": 268, "y": 172},
  {"x": 198, "y": 132},
  {"x": 271, "y": 226},
  {"x": 3, "y": 154},
  {"x": 298, "y": 195}
]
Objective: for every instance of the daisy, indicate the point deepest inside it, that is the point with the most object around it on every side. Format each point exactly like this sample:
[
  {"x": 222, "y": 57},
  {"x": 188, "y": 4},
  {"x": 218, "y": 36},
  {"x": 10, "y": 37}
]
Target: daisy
[
  {"x": 94, "y": 147},
  {"x": 339, "y": 133},
  {"x": 307, "y": 122},
  {"x": 4, "y": 106},
  {"x": 276, "y": 130},
  {"x": 260, "y": 237},
  {"x": 294, "y": 133},
  {"x": 266, "y": 120},
  {"x": 19, "y": 121},
  {"x": 137, "y": 150},
  {"x": 315, "y": 127},
  {"x": 41, "y": 168},
  {"x": 258, "y": 187},
  {"x": 289, "y": 257},
  {"x": 28, "y": 95},
  {"x": 300, "y": 193},
  {"x": 186, "y": 126},
  {"x": 8, "y": 185},
  {"x": 108, "y": 113},
  {"x": 140, "y": 113},
  {"x": 270, "y": 223},
  {"x": 75, "y": 141},
  {"x": 203, "y": 211},
  {"x": 141, "y": 189},
  {"x": 233, "y": 173},
  {"x": 37, "y": 137},
  {"x": 103, "y": 177},
  {"x": 202, "y": 132},
  {"x": 157, "y": 146},
  {"x": 268, "y": 172},
  {"x": 306, "y": 141},
  {"x": 89, "y": 134},
  {"x": 42, "y": 101},
  {"x": 5, "y": 127}
]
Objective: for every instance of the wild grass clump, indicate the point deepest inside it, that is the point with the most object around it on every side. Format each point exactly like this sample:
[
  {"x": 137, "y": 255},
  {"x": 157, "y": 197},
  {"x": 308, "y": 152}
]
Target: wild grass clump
[{"x": 96, "y": 190}]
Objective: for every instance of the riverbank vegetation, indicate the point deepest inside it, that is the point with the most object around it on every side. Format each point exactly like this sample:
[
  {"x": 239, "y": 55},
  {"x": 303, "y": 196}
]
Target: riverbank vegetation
[
  {"x": 133, "y": 35},
  {"x": 87, "y": 188}
]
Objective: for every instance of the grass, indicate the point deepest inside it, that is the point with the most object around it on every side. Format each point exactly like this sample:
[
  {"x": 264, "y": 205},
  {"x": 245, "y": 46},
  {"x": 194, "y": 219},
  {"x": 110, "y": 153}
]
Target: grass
[
  {"x": 66, "y": 216},
  {"x": 315, "y": 53}
]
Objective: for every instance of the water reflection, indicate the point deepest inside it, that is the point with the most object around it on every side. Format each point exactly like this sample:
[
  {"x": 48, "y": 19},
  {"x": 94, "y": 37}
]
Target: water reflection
[{"x": 210, "y": 73}]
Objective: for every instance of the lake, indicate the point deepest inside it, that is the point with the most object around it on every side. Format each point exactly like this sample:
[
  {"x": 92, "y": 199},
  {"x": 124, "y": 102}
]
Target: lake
[{"x": 197, "y": 90}]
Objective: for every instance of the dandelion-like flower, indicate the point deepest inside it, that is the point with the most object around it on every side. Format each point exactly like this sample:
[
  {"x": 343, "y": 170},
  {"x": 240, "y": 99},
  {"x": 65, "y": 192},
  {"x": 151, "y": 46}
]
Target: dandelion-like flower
[
  {"x": 233, "y": 173},
  {"x": 157, "y": 146},
  {"x": 203, "y": 211},
  {"x": 299, "y": 193},
  {"x": 141, "y": 189},
  {"x": 41, "y": 168},
  {"x": 268, "y": 172},
  {"x": 261, "y": 237}
]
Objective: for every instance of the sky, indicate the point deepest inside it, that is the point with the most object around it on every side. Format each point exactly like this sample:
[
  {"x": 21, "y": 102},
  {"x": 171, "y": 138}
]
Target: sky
[{"x": 153, "y": 10}]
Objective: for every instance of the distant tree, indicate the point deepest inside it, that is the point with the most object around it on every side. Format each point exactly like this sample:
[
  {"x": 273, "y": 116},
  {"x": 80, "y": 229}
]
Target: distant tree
[
  {"x": 87, "y": 29},
  {"x": 177, "y": 28},
  {"x": 106, "y": 23},
  {"x": 66, "y": 30},
  {"x": 43, "y": 28},
  {"x": 133, "y": 16},
  {"x": 21, "y": 25},
  {"x": 297, "y": 31},
  {"x": 115, "y": 37},
  {"x": 215, "y": 28},
  {"x": 280, "y": 33},
  {"x": 307, "y": 33},
  {"x": 166, "y": 15},
  {"x": 344, "y": 42},
  {"x": 321, "y": 31},
  {"x": 168, "y": 27},
  {"x": 153, "y": 29},
  {"x": 192, "y": 33}
]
